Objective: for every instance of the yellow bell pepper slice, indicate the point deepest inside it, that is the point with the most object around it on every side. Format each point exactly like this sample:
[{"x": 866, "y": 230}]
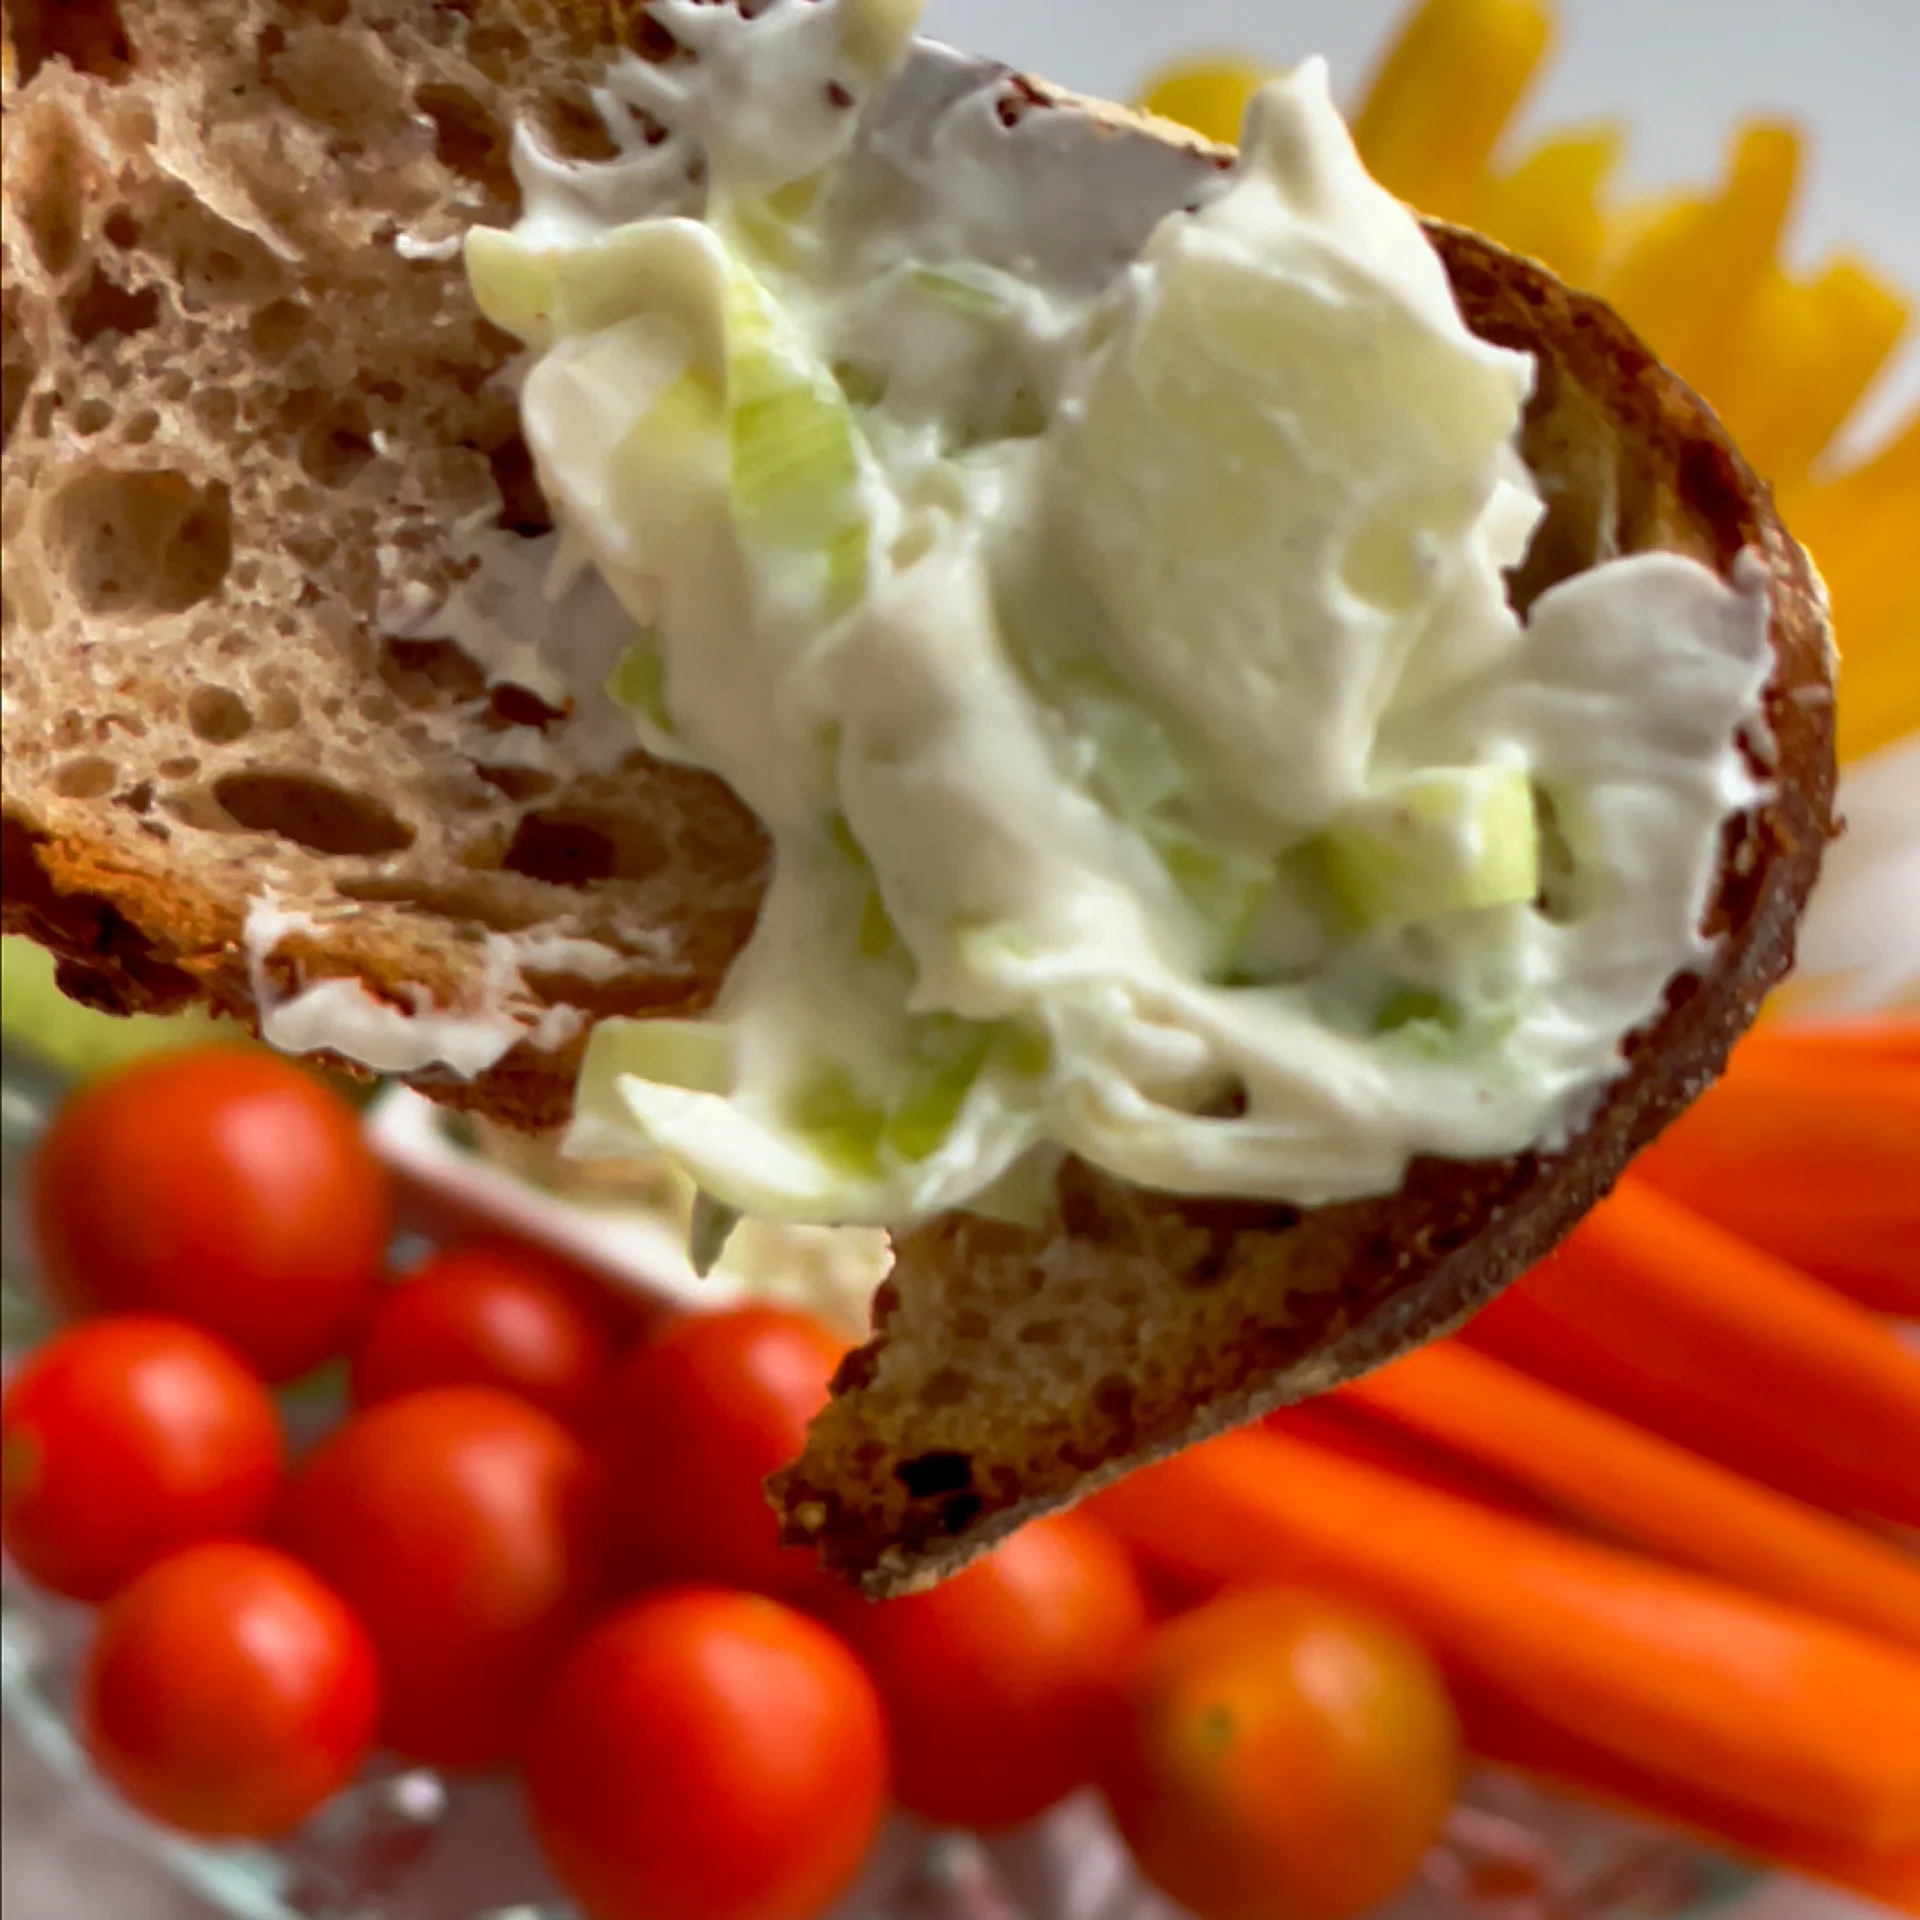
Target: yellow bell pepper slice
[
  {"x": 1809, "y": 351},
  {"x": 1879, "y": 679},
  {"x": 1859, "y": 527},
  {"x": 1687, "y": 281},
  {"x": 1548, "y": 207},
  {"x": 1893, "y": 469},
  {"x": 1210, "y": 96},
  {"x": 1441, "y": 97}
]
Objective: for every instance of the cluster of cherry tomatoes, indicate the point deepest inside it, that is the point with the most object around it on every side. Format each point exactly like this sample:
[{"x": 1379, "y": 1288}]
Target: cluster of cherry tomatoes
[{"x": 537, "y": 1540}]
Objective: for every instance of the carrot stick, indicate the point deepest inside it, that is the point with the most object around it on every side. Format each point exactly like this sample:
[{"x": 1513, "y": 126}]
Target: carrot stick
[
  {"x": 1877, "y": 1039},
  {"x": 1645, "y": 1489},
  {"x": 1673, "y": 1323},
  {"x": 1338, "y": 1428},
  {"x": 1786, "y": 1715},
  {"x": 1510, "y": 1734},
  {"x": 1810, "y": 1148}
]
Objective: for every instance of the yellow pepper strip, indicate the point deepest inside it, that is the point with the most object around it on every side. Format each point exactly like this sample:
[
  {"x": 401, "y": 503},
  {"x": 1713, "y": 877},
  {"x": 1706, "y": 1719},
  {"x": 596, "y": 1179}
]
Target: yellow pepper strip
[
  {"x": 1859, "y": 527},
  {"x": 1548, "y": 207},
  {"x": 1808, "y": 352},
  {"x": 1442, "y": 95},
  {"x": 1210, "y": 96},
  {"x": 1879, "y": 677},
  {"x": 1867, "y": 566},
  {"x": 1894, "y": 468},
  {"x": 1687, "y": 282}
]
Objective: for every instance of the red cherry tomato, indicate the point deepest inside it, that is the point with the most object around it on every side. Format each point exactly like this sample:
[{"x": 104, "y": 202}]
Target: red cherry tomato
[
  {"x": 228, "y": 1693},
  {"x": 999, "y": 1683},
  {"x": 499, "y": 1316},
  {"x": 467, "y": 1529},
  {"x": 695, "y": 1421},
  {"x": 225, "y": 1188},
  {"x": 124, "y": 1439},
  {"x": 707, "y": 1756}
]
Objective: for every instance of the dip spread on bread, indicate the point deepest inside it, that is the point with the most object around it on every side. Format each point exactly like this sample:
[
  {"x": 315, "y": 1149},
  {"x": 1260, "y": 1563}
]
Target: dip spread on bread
[{"x": 1112, "y": 639}]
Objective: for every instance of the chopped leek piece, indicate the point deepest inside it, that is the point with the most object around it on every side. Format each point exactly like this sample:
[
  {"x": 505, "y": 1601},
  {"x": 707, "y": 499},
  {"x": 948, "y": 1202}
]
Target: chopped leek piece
[
  {"x": 512, "y": 285},
  {"x": 993, "y": 951},
  {"x": 796, "y": 466},
  {"x": 1023, "y": 1049},
  {"x": 1225, "y": 888},
  {"x": 1135, "y": 766},
  {"x": 672, "y": 452},
  {"x": 634, "y": 270},
  {"x": 1441, "y": 841},
  {"x": 1026, "y": 418},
  {"x": 1023, "y": 1195},
  {"x": 970, "y": 294},
  {"x": 924, "y": 1114},
  {"x": 639, "y": 681},
  {"x": 793, "y": 460},
  {"x": 847, "y": 567},
  {"x": 1287, "y": 936},
  {"x": 841, "y": 834},
  {"x": 795, "y": 200},
  {"x": 756, "y": 229},
  {"x": 1420, "y": 1019},
  {"x": 697, "y": 1055},
  {"x": 876, "y": 935},
  {"x": 838, "y": 1123},
  {"x": 954, "y": 1054},
  {"x": 1405, "y": 1005},
  {"x": 708, "y": 1231},
  {"x": 862, "y": 385},
  {"x": 874, "y": 35}
]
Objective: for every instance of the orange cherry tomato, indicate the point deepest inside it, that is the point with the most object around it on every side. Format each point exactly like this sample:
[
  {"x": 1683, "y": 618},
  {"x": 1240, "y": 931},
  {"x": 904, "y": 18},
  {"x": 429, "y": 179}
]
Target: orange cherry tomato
[
  {"x": 1283, "y": 1757},
  {"x": 124, "y": 1439},
  {"x": 467, "y": 1529},
  {"x": 998, "y": 1683},
  {"x": 707, "y": 1756},
  {"x": 489, "y": 1315},
  {"x": 695, "y": 1421},
  {"x": 228, "y": 1693},
  {"x": 225, "y": 1188}
]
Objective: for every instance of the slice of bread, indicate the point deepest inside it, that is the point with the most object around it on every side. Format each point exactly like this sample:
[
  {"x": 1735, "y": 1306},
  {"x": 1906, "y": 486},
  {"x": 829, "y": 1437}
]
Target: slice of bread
[
  {"x": 244, "y": 429},
  {"x": 243, "y": 423}
]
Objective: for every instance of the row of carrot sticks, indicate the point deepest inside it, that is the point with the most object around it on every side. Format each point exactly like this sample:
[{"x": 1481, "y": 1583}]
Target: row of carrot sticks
[{"x": 1657, "y": 1510}]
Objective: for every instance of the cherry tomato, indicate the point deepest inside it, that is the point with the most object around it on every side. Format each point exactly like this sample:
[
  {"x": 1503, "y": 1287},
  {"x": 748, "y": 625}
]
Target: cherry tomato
[
  {"x": 695, "y": 1421},
  {"x": 126, "y": 1438},
  {"x": 707, "y": 1756},
  {"x": 998, "y": 1683},
  {"x": 225, "y": 1188},
  {"x": 500, "y": 1316},
  {"x": 1282, "y": 1755},
  {"x": 467, "y": 1529},
  {"x": 228, "y": 1693}
]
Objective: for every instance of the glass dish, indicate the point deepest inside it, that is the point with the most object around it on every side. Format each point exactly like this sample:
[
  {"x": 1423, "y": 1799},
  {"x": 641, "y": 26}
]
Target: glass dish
[{"x": 405, "y": 1845}]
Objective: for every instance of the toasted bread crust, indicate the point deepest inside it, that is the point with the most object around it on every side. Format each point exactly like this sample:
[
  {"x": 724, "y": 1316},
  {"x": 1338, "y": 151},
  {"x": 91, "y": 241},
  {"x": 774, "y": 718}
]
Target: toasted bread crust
[{"x": 943, "y": 1434}]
